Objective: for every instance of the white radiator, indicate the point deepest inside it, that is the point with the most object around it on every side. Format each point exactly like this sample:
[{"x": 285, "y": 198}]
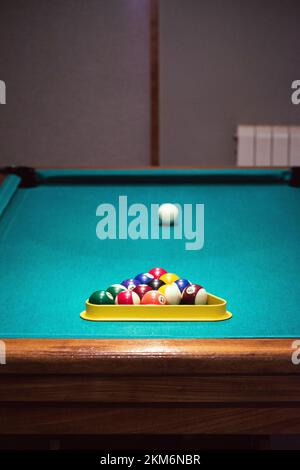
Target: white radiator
[
  {"x": 2, "y": 92},
  {"x": 268, "y": 146}
]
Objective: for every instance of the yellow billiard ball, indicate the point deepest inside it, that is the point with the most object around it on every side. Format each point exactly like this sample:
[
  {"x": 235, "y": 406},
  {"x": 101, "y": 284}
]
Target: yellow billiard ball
[{"x": 169, "y": 278}]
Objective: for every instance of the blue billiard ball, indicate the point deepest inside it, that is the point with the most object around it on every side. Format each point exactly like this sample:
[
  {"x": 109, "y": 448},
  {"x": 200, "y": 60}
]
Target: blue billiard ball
[
  {"x": 182, "y": 284},
  {"x": 130, "y": 284},
  {"x": 144, "y": 278}
]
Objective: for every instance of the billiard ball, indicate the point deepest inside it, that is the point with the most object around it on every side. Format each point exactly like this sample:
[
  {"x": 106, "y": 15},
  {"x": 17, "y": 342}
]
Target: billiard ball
[
  {"x": 169, "y": 278},
  {"x": 157, "y": 272},
  {"x": 115, "y": 289},
  {"x": 154, "y": 297},
  {"x": 168, "y": 213},
  {"x": 101, "y": 297},
  {"x": 156, "y": 284},
  {"x": 194, "y": 295},
  {"x": 172, "y": 293},
  {"x": 130, "y": 284},
  {"x": 182, "y": 284},
  {"x": 127, "y": 297},
  {"x": 144, "y": 278},
  {"x": 141, "y": 290}
]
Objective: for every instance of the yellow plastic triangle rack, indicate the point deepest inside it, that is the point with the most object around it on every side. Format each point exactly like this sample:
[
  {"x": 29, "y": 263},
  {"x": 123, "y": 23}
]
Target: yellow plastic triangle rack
[{"x": 214, "y": 310}]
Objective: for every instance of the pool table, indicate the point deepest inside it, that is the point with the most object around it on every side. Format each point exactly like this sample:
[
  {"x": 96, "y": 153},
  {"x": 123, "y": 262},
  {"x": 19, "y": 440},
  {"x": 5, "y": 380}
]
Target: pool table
[{"x": 64, "y": 375}]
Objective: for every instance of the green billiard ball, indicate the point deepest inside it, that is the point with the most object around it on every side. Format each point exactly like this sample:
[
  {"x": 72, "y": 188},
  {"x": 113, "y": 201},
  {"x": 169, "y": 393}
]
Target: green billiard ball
[
  {"x": 101, "y": 297},
  {"x": 115, "y": 289}
]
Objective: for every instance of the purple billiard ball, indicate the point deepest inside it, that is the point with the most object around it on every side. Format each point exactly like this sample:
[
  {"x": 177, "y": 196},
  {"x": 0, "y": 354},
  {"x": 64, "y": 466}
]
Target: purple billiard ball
[
  {"x": 130, "y": 284},
  {"x": 182, "y": 284}
]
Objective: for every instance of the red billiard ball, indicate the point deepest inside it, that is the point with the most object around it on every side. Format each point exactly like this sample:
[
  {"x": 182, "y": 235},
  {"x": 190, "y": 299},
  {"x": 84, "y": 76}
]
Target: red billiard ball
[
  {"x": 157, "y": 272},
  {"x": 194, "y": 295},
  {"x": 127, "y": 297},
  {"x": 141, "y": 290},
  {"x": 153, "y": 297}
]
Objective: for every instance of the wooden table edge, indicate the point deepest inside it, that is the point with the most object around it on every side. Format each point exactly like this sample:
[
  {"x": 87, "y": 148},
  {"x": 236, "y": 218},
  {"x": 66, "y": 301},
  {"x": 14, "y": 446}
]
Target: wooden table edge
[{"x": 150, "y": 356}]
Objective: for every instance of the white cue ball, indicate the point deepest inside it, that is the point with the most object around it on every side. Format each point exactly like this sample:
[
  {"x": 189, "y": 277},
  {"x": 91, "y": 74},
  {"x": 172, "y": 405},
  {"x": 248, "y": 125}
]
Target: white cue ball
[{"x": 168, "y": 213}]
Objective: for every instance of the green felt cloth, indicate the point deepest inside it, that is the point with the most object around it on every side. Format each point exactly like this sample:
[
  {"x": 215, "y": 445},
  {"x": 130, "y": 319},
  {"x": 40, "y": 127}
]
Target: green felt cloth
[{"x": 51, "y": 259}]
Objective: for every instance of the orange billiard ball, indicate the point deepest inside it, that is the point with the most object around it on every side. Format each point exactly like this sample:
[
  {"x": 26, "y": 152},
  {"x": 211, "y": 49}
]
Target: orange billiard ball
[{"x": 153, "y": 297}]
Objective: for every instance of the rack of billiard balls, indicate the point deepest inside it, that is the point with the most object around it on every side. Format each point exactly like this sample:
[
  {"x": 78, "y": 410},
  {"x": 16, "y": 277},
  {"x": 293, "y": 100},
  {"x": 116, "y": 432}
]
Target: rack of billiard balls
[{"x": 155, "y": 287}]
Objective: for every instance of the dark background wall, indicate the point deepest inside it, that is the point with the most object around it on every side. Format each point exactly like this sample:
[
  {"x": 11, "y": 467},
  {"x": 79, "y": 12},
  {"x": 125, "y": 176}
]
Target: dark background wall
[
  {"x": 224, "y": 62},
  {"x": 77, "y": 77}
]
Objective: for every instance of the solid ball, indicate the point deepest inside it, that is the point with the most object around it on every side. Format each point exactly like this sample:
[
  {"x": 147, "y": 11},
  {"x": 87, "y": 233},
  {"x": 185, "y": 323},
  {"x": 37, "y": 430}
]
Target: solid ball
[
  {"x": 194, "y": 295},
  {"x": 115, "y": 289},
  {"x": 156, "y": 284},
  {"x": 144, "y": 278},
  {"x": 172, "y": 293},
  {"x": 101, "y": 297},
  {"x": 182, "y": 284},
  {"x": 141, "y": 290},
  {"x": 130, "y": 284},
  {"x": 157, "y": 272},
  {"x": 127, "y": 297},
  {"x": 169, "y": 278},
  {"x": 154, "y": 297}
]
